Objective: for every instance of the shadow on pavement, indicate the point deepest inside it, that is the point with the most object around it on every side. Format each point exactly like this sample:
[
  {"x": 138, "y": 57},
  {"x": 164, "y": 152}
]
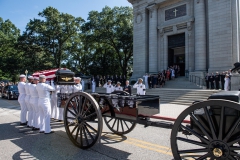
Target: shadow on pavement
[{"x": 34, "y": 145}]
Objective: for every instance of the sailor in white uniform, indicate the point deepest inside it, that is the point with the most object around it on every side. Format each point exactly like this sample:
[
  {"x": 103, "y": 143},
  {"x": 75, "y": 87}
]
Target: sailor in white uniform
[
  {"x": 140, "y": 87},
  {"x": 27, "y": 101},
  {"x": 83, "y": 84},
  {"x": 93, "y": 85},
  {"x": 109, "y": 87},
  {"x": 62, "y": 89},
  {"x": 34, "y": 103},
  {"x": 21, "y": 100},
  {"x": 77, "y": 87},
  {"x": 118, "y": 87},
  {"x": 43, "y": 90}
]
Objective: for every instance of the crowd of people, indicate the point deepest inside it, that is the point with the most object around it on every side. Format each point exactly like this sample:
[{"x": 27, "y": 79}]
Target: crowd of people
[
  {"x": 159, "y": 80},
  {"x": 39, "y": 101},
  {"x": 219, "y": 80}
]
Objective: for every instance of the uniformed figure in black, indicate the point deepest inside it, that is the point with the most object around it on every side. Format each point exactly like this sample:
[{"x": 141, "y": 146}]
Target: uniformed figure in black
[
  {"x": 211, "y": 80},
  {"x": 127, "y": 88},
  {"x": 207, "y": 80},
  {"x": 222, "y": 77},
  {"x": 217, "y": 80},
  {"x": 149, "y": 81}
]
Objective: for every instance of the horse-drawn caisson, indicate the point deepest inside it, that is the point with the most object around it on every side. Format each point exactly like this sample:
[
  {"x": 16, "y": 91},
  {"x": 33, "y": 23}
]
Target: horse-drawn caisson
[{"x": 205, "y": 130}]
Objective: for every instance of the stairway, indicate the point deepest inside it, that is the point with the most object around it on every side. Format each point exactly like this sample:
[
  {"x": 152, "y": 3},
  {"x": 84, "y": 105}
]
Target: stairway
[{"x": 179, "y": 91}]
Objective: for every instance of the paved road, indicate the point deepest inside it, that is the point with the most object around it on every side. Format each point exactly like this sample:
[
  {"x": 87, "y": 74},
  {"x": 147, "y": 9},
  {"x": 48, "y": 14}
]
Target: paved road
[{"x": 18, "y": 142}]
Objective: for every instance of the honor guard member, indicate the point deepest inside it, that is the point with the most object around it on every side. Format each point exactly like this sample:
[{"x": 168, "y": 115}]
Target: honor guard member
[
  {"x": 33, "y": 102},
  {"x": 217, "y": 80},
  {"x": 27, "y": 101},
  {"x": 43, "y": 90},
  {"x": 93, "y": 84},
  {"x": 21, "y": 99},
  {"x": 109, "y": 87},
  {"x": 77, "y": 86},
  {"x": 83, "y": 84},
  {"x": 140, "y": 87},
  {"x": 65, "y": 90},
  {"x": 118, "y": 87}
]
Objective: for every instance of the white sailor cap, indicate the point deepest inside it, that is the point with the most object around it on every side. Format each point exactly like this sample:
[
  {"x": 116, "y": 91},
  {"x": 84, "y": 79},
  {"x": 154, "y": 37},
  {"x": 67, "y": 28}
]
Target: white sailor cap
[
  {"x": 140, "y": 79},
  {"x": 118, "y": 83},
  {"x": 42, "y": 76},
  {"x": 30, "y": 77},
  {"x": 109, "y": 81},
  {"x": 77, "y": 78},
  {"x": 22, "y": 76},
  {"x": 35, "y": 78}
]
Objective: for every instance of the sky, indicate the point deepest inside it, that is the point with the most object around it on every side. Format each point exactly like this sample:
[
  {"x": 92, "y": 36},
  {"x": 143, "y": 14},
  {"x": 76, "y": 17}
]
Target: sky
[{"x": 19, "y": 12}]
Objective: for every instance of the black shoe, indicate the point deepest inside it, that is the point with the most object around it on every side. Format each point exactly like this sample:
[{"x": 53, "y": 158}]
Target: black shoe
[
  {"x": 41, "y": 132},
  {"x": 50, "y": 132},
  {"x": 23, "y": 124},
  {"x": 35, "y": 129},
  {"x": 60, "y": 121},
  {"x": 29, "y": 126}
]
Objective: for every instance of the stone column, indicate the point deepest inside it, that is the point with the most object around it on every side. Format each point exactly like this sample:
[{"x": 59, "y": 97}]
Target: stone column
[
  {"x": 153, "y": 40},
  {"x": 200, "y": 35}
]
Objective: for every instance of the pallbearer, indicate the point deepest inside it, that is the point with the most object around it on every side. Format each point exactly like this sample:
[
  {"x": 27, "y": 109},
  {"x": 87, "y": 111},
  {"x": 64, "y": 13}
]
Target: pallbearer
[
  {"x": 27, "y": 101},
  {"x": 43, "y": 90},
  {"x": 118, "y": 87},
  {"x": 109, "y": 87},
  {"x": 77, "y": 86},
  {"x": 34, "y": 103},
  {"x": 21, "y": 99},
  {"x": 141, "y": 89}
]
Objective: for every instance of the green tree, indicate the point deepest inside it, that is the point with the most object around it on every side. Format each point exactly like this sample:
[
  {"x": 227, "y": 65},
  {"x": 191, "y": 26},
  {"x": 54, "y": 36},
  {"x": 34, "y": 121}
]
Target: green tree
[{"x": 112, "y": 28}]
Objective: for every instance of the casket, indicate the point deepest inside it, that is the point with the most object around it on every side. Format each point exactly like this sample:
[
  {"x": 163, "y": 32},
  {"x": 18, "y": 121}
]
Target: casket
[{"x": 64, "y": 77}]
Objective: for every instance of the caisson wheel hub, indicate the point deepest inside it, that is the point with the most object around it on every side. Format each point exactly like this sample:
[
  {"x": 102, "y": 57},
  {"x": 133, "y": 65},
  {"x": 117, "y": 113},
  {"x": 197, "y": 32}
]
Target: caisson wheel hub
[{"x": 219, "y": 149}]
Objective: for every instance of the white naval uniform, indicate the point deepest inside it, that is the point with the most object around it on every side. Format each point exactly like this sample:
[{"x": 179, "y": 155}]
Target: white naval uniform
[
  {"x": 43, "y": 90},
  {"x": 77, "y": 88},
  {"x": 29, "y": 107},
  {"x": 83, "y": 85},
  {"x": 63, "y": 89},
  {"x": 93, "y": 85},
  {"x": 118, "y": 88},
  {"x": 54, "y": 103},
  {"x": 34, "y": 104},
  {"x": 21, "y": 100},
  {"x": 146, "y": 81},
  {"x": 109, "y": 88},
  {"x": 140, "y": 88}
]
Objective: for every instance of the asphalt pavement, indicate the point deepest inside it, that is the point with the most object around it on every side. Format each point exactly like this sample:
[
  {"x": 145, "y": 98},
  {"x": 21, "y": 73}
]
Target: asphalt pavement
[{"x": 20, "y": 142}]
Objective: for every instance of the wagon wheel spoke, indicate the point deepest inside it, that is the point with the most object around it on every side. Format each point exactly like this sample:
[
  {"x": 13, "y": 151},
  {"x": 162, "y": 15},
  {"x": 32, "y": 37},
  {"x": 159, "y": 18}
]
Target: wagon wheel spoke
[
  {"x": 87, "y": 110},
  {"x": 210, "y": 123},
  {"x": 81, "y": 139},
  {"x": 234, "y": 154},
  {"x": 231, "y": 130},
  {"x": 191, "y": 141},
  {"x": 118, "y": 124},
  {"x": 80, "y": 104},
  {"x": 74, "y": 129},
  {"x": 126, "y": 124},
  {"x": 234, "y": 141},
  {"x": 204, "y": 156},
  {"x": 74, "y": 108},
  {"x": 200, "y": 126},
  {"x": 83, "y": 106},
  {"x": 71, "y": 112},
  {"x": 90, "y": 115},
  {"x": 234, "y": 148},
  {"x": 114, "y": 123},
  {"x": 90, "y": 127},
  {"x": 76, "y": 136},
  {"x": 196, "y": 134},
  {"x": 231, "y": 157},
  {"x": 220, "y": 136},
  {"x": 89, "y": 133},
  {"x": 110, "y": 120},
  {"x": 85, "y": 135},
  {"x": 122, "y": 126},
  {"x": 71, "y": 124},
  {"x": 193, "y": 151}
]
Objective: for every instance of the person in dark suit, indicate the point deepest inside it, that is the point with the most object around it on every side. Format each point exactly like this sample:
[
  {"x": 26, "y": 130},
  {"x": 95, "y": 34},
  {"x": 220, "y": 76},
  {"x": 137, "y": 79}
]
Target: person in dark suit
[
  {"x": 127, "y": 88},
  {"x": 217, "y": 80},
  {"x": 212, "y": 80},
  {"x": 207, "y": 80}
]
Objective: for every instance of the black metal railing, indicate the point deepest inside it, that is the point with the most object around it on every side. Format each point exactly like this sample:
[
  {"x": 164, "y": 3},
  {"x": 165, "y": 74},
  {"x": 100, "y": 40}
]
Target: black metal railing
[{"x": 197, "y": 80}]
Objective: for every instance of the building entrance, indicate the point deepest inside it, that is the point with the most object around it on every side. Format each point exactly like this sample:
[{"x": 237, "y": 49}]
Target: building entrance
[{"x": 176, "y": 52}]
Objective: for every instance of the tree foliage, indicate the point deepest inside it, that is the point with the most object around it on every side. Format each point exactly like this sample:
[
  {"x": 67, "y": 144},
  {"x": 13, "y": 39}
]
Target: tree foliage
[{"x": 101, "y": 45}]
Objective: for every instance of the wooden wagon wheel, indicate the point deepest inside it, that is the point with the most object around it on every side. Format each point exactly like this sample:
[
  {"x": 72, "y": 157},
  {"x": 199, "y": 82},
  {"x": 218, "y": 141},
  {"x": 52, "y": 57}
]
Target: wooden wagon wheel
[
  {"x": 214, "y": 132},
  {"x": 119, "y": 126},
  {"x": 83, "y": 120}
]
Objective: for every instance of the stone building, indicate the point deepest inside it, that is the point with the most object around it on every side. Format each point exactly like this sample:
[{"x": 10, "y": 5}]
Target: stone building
[{"x": 199, "y": 35}]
